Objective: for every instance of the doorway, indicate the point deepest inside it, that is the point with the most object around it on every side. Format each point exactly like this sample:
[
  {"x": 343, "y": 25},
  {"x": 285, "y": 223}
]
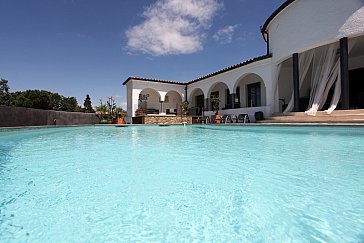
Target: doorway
[{"x": 356, "y": 92}]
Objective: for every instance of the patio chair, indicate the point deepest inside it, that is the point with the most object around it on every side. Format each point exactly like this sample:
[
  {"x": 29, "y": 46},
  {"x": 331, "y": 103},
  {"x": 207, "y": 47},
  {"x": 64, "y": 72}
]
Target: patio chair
[
  {"x": 203, "y": 120},
  {"x": 243, "y": 118},
  {"x": 227, "y": 119},
  {"x": 234, "y": 119}
]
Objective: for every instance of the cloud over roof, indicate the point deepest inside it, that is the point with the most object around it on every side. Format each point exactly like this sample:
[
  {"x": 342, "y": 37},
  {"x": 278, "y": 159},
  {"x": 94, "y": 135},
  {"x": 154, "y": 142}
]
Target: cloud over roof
[
  {"x": 173, "y": 27},
  {"x": 225, "y": 35}
]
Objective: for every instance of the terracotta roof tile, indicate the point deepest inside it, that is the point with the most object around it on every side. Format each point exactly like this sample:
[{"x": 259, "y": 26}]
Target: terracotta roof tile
[{"x": 153, "y": 80}]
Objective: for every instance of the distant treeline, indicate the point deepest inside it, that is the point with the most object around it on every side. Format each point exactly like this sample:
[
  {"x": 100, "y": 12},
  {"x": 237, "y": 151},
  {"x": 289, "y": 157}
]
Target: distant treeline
[
  {"x": 45, "y": 100},
  {"x": 40, "y": 99}
]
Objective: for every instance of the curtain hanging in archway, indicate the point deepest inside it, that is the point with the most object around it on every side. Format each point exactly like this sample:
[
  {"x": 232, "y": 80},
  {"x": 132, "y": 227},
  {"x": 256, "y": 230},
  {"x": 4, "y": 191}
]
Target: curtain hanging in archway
[
  {"x": 275, "y": 85},
  {"x": 323, "y": 70},
  {"x": 337, "y": 93},
  {"x": 305, "y": 60},
  {"x": 326, "y": 73}
]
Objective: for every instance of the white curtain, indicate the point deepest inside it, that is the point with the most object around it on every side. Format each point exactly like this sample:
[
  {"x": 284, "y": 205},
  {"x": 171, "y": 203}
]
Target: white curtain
[
  {"x": 337, "y": 93},
  {"x": 327, "y": 73},
  {"x": 305, "y": 60},
  {"x": 335, "y": 76},
  {"x": 323, "y": 72}
]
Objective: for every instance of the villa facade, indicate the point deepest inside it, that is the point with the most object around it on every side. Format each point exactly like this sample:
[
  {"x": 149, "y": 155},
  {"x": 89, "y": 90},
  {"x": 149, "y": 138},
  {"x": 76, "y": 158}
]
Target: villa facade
[{"x": 314, "y": 61}]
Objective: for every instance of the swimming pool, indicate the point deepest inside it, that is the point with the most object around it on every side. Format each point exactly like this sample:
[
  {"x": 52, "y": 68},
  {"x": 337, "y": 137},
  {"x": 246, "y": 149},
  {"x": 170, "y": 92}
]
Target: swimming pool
[{"x": 175, "y": 183}]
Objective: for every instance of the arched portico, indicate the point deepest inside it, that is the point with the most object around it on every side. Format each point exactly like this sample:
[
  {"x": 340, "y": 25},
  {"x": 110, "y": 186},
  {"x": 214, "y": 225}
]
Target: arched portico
[
  {"x": 197, "y": 102},
  {"x": 250, "y": 91},
  {"x": 149, "y": 99},
  {"x": 222, "y": 91},
  {"x": 172, "y": 103},
  {"x": 318, "y": 89}
]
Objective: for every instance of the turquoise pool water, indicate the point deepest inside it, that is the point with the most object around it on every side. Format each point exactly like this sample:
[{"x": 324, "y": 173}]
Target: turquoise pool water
[{"x": 182, "y": 184}]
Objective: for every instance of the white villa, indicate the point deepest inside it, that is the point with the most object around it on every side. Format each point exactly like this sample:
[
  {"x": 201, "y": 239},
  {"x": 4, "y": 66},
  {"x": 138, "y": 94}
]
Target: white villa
[{"x": 314, "y": 62}]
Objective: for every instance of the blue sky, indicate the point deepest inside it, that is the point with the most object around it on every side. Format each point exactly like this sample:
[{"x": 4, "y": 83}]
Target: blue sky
[{"x": 79, "y": 47}]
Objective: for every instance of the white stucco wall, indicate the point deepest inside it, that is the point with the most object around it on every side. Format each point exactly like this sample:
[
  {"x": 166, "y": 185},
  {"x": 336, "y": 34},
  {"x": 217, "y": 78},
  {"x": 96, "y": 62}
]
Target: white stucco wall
[
  {"x": 174, "y": 102},
  {"x": 244, "y": 82},
  {"x": 221, "y": 88},
  {"x": 194, "y": 93},
  {"x": 307, "y": 24},
  {"x": 231, "y": 78},
  {"x": 129, "y": 101},
  {"x": 285, "y": 83},
  {"x": 151, "y": 98},
  {"x": 135, "y": 87},
  {"x": 303, "y": 25}
]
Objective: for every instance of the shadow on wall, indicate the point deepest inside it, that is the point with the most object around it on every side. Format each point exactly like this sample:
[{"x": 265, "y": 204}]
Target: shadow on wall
[{"x": 18, "y": 116}]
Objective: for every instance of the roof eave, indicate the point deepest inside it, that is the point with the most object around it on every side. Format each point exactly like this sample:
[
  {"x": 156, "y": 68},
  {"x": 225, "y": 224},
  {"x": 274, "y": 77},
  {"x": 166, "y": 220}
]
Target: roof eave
[
  {"x": 242, "y": 64},
  {"x": 250, "y": 61},
  {"x": 153, "y": 80},
  {"x": 275, "y": 14}
]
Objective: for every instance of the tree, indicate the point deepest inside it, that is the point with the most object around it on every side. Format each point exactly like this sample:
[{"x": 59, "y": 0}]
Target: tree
[
  {"x": 4, "y": 92},
  {"x": 215, "y": 103},
  {"x": 21, "y": 100},
  {"x": 69, "y": 104},
  {"x": 87, "y": 104},
  {"x": 40, "y": 99},
  {"x": 56, "y": 101}
]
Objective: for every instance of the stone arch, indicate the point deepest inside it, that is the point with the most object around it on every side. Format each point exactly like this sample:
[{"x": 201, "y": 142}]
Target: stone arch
[
  {"x": 150, "y": 99},
  {"x": 172, "y": 102},
  {"x": 196, "y": 101},
  {"x": 222, "y": 90},
  {"x": 192, "y": 99},
  {"x": 250, "y": 90}
]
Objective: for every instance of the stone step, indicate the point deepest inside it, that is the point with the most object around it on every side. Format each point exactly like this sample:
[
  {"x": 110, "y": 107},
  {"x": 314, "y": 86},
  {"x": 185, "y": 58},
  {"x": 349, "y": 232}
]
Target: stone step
[
  {"x": 361, "y": 121},
  {"x": 340, "y": 116},
  {"x": 348, "y": 117},
  {"x": 323, "y": 113}
]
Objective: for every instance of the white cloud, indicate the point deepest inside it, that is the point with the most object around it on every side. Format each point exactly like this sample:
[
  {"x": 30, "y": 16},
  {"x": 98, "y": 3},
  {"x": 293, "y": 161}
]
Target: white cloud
[
  {"x": 172, "y": 27},
  {"x": 225, "y": 35}
]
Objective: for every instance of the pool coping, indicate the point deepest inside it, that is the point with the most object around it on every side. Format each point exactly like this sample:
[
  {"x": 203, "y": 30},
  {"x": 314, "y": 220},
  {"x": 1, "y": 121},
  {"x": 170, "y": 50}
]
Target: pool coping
[
  {"x": 242, "y": 124},
  {"x": 229, "y": 124},
  {"x": 48, "y": 126}
]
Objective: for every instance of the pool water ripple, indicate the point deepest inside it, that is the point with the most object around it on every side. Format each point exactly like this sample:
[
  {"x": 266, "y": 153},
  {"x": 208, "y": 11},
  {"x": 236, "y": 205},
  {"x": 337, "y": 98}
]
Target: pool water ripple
[{"x": 194, "y": 183}]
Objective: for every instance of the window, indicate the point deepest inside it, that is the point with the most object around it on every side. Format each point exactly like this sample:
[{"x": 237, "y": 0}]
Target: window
[
  {"x": 199, "y": 101},
  {"x": 143, "y": 97},
  {"x": 228, "y": 100},
  {"x": 237, "y": 97},
  {"x": 254, "y": 95},
  {"x": 215, "y": 94}
]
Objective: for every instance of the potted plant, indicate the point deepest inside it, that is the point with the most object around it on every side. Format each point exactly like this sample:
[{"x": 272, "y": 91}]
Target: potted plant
[
  {"x": 120, "y": 115},
  {"x": 110, "y": 113},
  {"x": 215, "y": 103},
  {"x": 140, "y": 112},
  {"x": 103, "y": 120},
  {"x": 184, "y": 106},
  {"x": 101, "y": 112},
  {"x": 108, "y": 117}
]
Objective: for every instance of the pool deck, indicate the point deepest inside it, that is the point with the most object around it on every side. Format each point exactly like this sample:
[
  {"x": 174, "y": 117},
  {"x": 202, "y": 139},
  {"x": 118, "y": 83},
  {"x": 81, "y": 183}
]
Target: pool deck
[
  {"x": 252, "y": 124},
  {"x": 228, "y": 124}
]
